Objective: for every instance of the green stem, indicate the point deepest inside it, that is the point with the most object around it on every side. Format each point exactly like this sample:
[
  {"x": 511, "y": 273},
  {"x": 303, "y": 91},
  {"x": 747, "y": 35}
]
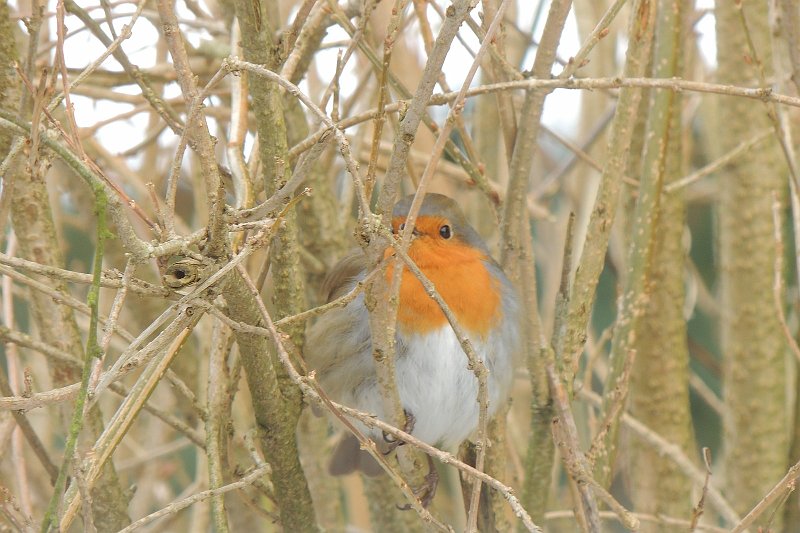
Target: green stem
[
  {"x": 92, "y": 350},
  {"x": 595, "y": 244}
]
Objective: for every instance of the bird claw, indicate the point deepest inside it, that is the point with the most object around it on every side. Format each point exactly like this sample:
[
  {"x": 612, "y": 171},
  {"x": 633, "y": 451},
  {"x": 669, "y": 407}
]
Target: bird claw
[
  {"x": 394, "y": 442},
  {"x": 427, "y": 490}
]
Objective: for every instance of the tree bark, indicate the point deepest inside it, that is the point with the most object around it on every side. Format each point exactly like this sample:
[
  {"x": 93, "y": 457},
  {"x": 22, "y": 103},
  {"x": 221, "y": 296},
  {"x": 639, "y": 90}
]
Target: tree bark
[
  {"x": 755, "y": 372},
  {"x": 660, "y": 376}
]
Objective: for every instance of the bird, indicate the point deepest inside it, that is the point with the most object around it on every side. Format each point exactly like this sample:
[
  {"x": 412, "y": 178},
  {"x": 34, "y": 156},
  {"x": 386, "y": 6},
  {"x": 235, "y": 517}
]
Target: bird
[{"x": 438, "y": 391}]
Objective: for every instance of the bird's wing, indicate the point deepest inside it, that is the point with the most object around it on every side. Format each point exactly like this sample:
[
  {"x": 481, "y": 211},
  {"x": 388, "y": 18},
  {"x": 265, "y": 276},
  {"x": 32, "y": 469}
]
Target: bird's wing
[
  {"x": 338, "y": 344},
  {"x": 339, "y": 280}
]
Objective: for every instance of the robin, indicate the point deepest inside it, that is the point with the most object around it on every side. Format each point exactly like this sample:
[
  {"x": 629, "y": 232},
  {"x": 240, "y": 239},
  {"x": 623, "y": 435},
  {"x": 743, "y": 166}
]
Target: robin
[{"x": 437, "y": 390}]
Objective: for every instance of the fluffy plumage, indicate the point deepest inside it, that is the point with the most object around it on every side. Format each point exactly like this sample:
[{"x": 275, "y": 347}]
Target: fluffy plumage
[{"x": 433, "y": 380}]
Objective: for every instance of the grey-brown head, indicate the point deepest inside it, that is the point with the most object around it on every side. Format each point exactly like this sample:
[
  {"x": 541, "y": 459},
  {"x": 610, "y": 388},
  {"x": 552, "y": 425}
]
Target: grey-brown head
[{"x": 439, "y": 218}]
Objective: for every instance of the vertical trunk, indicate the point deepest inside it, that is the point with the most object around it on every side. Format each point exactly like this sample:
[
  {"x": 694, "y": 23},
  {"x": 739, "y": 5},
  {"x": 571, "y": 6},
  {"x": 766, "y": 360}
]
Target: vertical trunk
[
  {"x": 595, "y": 244},
  {"x": 582, "y": 183},
  {"x": 660, "y": 377},
  {"x": 753, "y": 345},
  {"x": 276, "y": 421},
  {"x": 258, "y": 22}
]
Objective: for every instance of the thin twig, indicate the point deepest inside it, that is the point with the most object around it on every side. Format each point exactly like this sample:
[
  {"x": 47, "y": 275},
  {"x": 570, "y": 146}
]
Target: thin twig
[
  {"x": 675, "y": 454},
  {"x": 300, "y": 317},
  {"x": 174, "y": 507},
  {"x": 410, "y": 122},
  {"x": 675, "y": 84},
  {"x": 125, "y": 230},
  {"x": 234, "y": 63},
  {"x": 196, "y": 129},
  {"x": 7, "y": 387},
  {"x": 552, "y": 516},
  {"x": 566, "y": 440},
  {"x": 719, "y": 163},
  {"x": 598, "y": 33},
  {"x": 127, "y": 412},
  {"x": 475, "y": 362},
  {"x": 377, "y": 127},
  {"x": 160, "y": 106},
  {"x": 699, "y": 509},
  {"x": 59, "y": 297},
  {"x": 111, "y": 324},
  {"x": 782, "y": 489},
  {"x": 615, "y": 401}
]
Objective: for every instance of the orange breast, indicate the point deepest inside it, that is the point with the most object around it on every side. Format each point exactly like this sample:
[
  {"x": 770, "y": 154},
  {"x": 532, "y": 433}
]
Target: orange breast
[{"x": 460, "y": 276}]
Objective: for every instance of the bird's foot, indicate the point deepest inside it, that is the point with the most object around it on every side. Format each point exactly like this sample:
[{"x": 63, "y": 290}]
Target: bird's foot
[
  {"x": 427, "y": 490},
  {"x": 394, "y": 442}
]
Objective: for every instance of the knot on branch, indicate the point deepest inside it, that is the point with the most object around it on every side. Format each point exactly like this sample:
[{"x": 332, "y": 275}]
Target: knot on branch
[
  {"x": 369, "y": 226},
  {"x": 185, "y": 271}
]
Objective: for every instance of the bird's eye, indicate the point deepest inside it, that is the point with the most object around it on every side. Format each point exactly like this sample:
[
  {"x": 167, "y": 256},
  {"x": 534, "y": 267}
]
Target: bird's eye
[
  {"x": 402, "y": 227},
  {"x": 445, "y": 232}
]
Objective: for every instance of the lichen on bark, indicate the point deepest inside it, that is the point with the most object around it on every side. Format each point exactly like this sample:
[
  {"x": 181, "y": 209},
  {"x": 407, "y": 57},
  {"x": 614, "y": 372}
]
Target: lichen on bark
[{"x": 753, "y": 346}]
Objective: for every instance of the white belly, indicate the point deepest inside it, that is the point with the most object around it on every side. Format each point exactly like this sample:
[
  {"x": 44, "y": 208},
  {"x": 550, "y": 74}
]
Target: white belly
[{"x": 436, "y": 386}]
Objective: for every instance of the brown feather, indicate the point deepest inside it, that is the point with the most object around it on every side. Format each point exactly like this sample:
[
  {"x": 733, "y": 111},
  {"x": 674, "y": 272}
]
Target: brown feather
[
  {"x": 348, "y": 268},
  {"x": 349, "y": 457}
]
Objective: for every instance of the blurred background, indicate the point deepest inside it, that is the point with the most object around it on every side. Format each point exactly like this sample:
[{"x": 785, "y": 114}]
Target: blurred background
[{"x": 671, "y": 330}]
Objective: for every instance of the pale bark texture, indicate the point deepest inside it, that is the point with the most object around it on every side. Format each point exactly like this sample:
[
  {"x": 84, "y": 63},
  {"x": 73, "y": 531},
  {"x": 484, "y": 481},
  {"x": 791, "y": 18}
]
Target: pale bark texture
[
  {"x": 9, "y": 90},
  {"x": 754, "y": 348},
  {"x": 593, "y": 251},
  {"x": 792, "y": 512},
  {"x": 660, "y": 375},
  {"x": 273, "y": 412}
]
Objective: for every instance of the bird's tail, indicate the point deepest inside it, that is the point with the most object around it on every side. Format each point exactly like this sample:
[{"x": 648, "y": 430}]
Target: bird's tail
[{"x": 349, "y": 457}]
